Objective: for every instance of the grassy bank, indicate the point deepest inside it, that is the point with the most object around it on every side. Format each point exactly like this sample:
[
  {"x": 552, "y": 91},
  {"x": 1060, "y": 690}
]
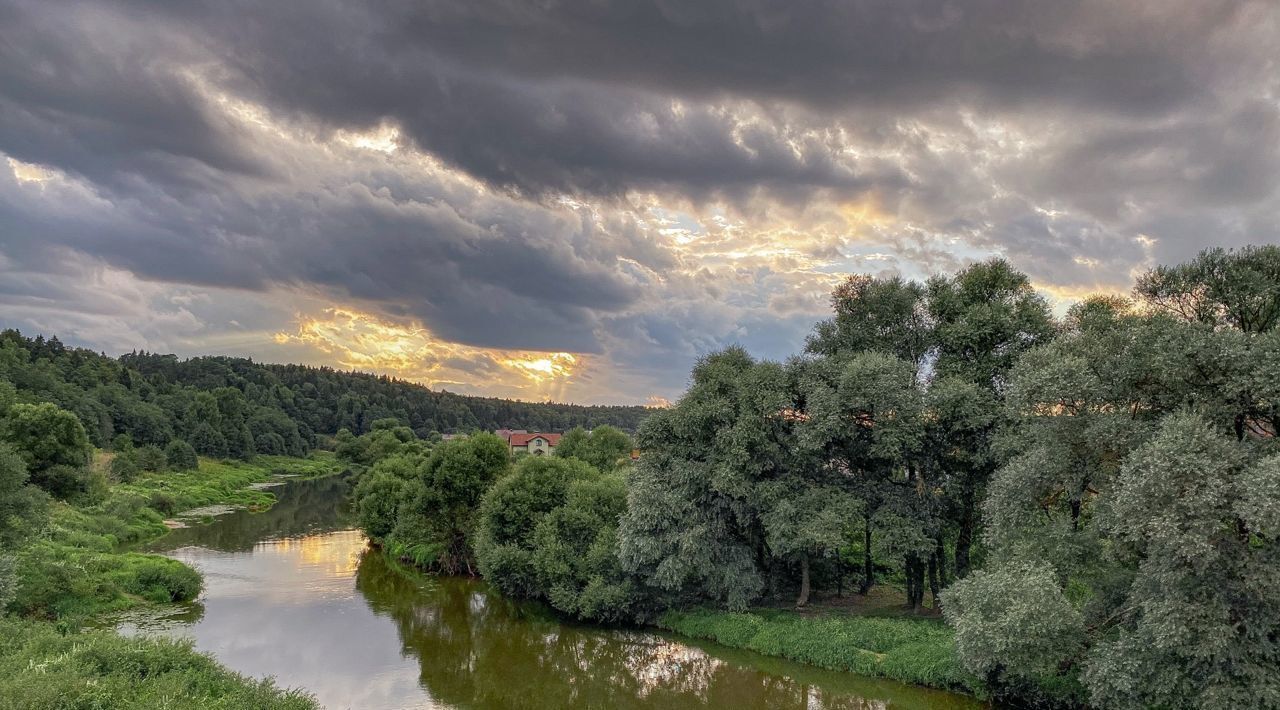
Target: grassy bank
[
  {"x": 41, "y": 669},
  {"x": 81, "y": 566},
  {"x": 915, "y": 651}
]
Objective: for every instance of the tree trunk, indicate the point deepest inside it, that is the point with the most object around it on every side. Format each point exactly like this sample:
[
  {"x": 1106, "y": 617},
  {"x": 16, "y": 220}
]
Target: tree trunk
[
  {"x": 804, "y": 582},
  {"x": 934, "y": 587},
  {"x": 964, "y": 539},
  {"x": 909, "y": 572},
  {"x": 868, "y": 567},
  {"x": 940, "y": 554}
]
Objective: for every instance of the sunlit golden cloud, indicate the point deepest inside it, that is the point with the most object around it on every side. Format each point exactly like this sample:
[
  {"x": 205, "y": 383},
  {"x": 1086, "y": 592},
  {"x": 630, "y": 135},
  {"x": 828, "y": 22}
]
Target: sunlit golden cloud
[
  {"x": 363, "y": 341},
  {"x": 28, "y": 172}
]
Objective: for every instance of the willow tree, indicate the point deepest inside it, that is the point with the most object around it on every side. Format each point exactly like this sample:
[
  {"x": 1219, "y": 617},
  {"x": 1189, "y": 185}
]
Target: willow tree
[
  {"x": 1200, "y": 514},
  {"x": 441, "y": 502},
  {"x": 982, "y": 319},
  {"x": 694, "y": 523},
  {"x": 863, "y": 420}
]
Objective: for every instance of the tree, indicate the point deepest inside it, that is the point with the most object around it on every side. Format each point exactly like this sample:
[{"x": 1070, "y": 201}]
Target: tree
[
  {"x": 22, "y": 506},
  {"x": 441, "y": 518},
  {"x": 1202, "y": 618},
  {"x": 22, "y": 512},
  {"x": 872, "y": 314},
  {"x": 693, "y": 523},
  {"x": 984, "y": 317},
  {"x": 863, "y": 423},
  {"x": 575, "y": 553},
  {"x": 1014, "y": 622},
  {"x": 1219, "y": 288},
  {"x": 180, "y": 456},
  {"x": 604, "y": 447},
  {"x": 379, "y": 494},
  {"x": 52, "y": 443},
  {"x": 510, "y": 513},
  {"x": 208, "y": 441}
]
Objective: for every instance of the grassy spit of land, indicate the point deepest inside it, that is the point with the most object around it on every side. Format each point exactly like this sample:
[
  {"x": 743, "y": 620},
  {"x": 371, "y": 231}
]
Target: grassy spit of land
[{"x": 83, "y": 567}]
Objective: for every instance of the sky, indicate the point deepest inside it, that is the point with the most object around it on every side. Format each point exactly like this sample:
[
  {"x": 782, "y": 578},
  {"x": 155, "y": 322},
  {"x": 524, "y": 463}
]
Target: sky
[{"x": 575, "y": 200}]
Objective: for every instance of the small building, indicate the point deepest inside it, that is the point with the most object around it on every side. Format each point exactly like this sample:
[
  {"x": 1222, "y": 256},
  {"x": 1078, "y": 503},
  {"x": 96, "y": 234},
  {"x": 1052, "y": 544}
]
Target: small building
[{"x": 535, "y": 444}]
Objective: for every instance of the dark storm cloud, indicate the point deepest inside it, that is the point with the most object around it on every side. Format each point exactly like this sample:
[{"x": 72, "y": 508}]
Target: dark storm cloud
[
  {"x": 199, "y": 141},
  {"x": 578, "y": 96}
]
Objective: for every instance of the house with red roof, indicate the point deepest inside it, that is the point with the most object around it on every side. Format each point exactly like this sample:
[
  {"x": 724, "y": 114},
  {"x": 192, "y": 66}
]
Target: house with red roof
[{"x": 535, "y": 444}]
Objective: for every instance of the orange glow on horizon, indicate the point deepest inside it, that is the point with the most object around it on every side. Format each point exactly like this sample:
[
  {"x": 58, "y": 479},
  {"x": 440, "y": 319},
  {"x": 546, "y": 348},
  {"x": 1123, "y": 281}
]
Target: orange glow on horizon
[{"x": 363, "y": 341}]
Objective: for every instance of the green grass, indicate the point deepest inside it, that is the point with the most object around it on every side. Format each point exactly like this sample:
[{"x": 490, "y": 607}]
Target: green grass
[
  {"x": 42, "y": 669},
  {"x": 226, "y": 482},
  {"x": 921, "y": 652},
  {"x": 81, "y": 567}
]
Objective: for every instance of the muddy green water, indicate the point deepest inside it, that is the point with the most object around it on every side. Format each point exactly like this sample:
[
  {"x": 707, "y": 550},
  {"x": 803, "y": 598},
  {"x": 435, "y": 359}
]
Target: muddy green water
[{"x": 295, "y": 593}]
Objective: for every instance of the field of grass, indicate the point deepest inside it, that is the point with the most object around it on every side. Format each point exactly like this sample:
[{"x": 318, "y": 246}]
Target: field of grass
[
  {"x": 82, "y": 567},
  {"x": 41, "y": 668},
  {"x": 919, "y": 651}
]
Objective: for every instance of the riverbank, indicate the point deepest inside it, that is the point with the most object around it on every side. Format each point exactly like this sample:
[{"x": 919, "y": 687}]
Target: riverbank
[
  {"x": 43, "y": 668},
  {"x": 83, "y": 567},
  {"x": 916, "y": 651}
]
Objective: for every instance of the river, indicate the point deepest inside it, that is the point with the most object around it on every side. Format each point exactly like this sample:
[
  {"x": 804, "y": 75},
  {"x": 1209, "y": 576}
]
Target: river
[{"x": 295, "y": 593}]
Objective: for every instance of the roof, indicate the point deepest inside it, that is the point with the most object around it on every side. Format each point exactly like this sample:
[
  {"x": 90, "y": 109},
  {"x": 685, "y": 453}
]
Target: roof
[{"x": 524, "y": 439}]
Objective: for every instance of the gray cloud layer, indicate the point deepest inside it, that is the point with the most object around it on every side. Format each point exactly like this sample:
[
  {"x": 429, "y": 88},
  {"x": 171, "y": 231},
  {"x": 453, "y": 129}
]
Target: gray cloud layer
[{"x": 202, "y": 144}]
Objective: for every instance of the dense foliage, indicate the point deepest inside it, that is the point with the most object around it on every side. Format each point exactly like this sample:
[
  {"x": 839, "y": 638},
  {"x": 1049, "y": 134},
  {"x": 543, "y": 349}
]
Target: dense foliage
[
  {"x": 1093, "y": 502},
  {"x": 549, "y": 531},
  {"x": 233, "y": 407},
  {"x": 1136, "y": 509},
  {"x": 421, "y": 504}
]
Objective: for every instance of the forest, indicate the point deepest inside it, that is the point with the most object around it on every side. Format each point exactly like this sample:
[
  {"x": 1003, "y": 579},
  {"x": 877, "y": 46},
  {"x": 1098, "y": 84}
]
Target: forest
[
  {"x": 234, "y": 407},
  {"x": 1092, "y": 501}
]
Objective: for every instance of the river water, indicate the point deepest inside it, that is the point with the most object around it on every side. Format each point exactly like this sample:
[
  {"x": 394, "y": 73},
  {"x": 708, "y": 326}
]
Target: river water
[{"x": 295, "y": 593}]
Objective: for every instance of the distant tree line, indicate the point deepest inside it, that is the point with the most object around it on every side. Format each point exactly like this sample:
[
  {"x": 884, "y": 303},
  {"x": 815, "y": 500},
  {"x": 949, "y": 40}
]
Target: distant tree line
[{"x": 234, "y": 407}]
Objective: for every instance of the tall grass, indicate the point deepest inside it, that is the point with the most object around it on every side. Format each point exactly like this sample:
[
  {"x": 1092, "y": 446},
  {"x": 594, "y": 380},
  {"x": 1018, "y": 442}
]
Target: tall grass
[
  {"x": 42, "y": 669},
  {"x": 910, "y": 650}
]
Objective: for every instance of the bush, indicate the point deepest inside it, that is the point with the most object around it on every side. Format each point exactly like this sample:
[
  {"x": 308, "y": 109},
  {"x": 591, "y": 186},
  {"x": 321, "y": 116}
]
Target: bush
[
  {"x": 151, "y": 458},
  {"x": 180, "y": 456},
  {"x": 159, "y": 579},
  {"x": 62, "y": 481},
  {"x": 164, "y": 503},
  {"x": 124, "y": 468}
]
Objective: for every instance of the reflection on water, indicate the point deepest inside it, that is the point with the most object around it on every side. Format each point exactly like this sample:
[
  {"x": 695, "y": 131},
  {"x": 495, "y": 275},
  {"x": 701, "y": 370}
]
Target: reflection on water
[{"x": 294, "y": 593}]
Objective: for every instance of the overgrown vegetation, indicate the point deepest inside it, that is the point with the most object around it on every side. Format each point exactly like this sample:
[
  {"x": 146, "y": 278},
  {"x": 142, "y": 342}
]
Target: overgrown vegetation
[
  {"x": 41, "y": 668},
  {"x": 64, "y": 534}
]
